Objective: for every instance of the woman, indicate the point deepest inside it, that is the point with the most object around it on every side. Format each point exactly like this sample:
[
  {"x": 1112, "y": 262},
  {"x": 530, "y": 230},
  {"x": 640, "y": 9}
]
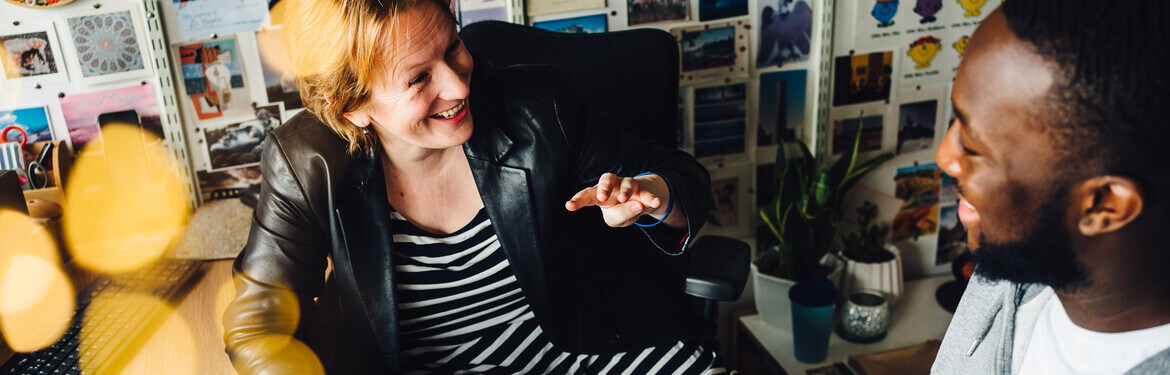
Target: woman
[{"x": 452, "y": 244}]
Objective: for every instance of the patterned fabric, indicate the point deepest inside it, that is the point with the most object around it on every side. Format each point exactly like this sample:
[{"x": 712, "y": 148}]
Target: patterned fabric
[
  {"x": 461, "y": 310},
  {"x": 106, "y": 43}
]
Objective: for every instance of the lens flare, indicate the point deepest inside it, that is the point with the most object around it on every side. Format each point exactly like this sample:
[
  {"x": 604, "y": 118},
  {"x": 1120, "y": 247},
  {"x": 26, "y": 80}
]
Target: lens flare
[
  {"x": 157, "y": 333},
  {"x": 36, "y": 299},
  {"x": 127, "y": 203}
]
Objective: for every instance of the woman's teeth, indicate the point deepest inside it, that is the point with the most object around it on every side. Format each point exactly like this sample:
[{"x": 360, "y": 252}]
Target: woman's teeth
[{"x": 451, "y": 112}]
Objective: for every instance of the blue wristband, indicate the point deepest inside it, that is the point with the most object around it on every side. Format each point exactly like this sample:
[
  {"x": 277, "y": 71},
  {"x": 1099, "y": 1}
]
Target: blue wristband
[{"x": 669, "y": 204}]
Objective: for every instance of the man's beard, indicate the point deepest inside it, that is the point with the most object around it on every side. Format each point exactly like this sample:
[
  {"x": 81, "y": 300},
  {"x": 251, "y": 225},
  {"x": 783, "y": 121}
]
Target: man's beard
[{"x": 1044, "y": 255}]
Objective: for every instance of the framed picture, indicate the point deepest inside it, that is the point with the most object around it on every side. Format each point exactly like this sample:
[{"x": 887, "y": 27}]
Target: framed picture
[
  {"x": 712, "y": 51},
  {"x": 213, "y": 78},
  {"x": 591, "y": 24},
  {"x": 720, "y": 118},
  {"x": 106, "y": 44},
  {"x": 279, "y": 83},
  {"x": 731, "y": 214},
  {"x": 31, "y": 55}
]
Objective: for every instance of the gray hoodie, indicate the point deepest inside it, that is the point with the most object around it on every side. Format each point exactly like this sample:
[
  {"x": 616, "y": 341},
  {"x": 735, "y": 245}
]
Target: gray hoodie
[{"x": 980, "y": 339}]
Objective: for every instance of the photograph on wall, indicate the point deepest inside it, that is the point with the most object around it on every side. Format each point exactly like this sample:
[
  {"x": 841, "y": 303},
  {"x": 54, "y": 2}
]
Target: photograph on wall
[
  {"x": 916, "y": 124},
  {"x": 213, "y": 78},
  {"x": 720, "y": 114},
  {"x": 539, "y": 7},
  {"x": 591, "y": 24},
  {"x": 785, "y": 32},
  {"x": 106, "y": 44},
  {"x": 862, "y": 78},
  {"x": 782, "y": 106},
  {"x": 86, "y": 113},
  {"x": 34, "y": 121},
  {"x": 713, "y": 51},
  {"x": 238, "y": 143},
  {"x": 710, "y": 10},
  {"x": 845, "y": 130},
  {"x": 952, "y": 235},
  {"x": 279, "y": 83},
  {"x": 641, "y": 12},
  {"x": 200, "y": 19},
  {"x": 30, "y": 55},
  {"x": 226, "y": 183},
  {"x": 730, "y": 216},
  {"x": 472, "y": 11},
  {"x": 918, "y": 188},
  {"x": 927, "y": 61}
]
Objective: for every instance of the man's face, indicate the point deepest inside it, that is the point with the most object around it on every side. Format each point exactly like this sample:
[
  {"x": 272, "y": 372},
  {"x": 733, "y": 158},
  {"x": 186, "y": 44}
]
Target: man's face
[{"x": 1013, "y": 197}]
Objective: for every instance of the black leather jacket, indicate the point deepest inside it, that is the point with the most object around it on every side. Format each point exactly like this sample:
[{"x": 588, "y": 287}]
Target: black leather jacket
[{"x": 531, "y": 150}]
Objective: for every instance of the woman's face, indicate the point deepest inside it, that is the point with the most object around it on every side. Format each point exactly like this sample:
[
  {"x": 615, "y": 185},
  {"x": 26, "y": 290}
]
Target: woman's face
[{"x": 420, "y": 98}]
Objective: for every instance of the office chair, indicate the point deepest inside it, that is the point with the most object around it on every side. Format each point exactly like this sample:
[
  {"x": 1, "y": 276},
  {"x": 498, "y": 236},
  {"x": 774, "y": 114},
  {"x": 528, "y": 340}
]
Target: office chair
[{"x": 629, "y": 75}]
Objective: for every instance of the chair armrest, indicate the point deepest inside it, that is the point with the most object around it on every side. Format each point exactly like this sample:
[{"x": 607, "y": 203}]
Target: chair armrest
[{"x": 718, "y": 268}]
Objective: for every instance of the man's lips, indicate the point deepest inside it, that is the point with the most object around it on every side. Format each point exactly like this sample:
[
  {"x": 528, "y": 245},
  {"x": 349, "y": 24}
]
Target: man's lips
[{"x": 967, "y": 213}]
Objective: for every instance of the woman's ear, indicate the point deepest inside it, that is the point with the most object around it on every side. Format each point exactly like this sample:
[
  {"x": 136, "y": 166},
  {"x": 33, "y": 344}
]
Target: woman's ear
[
  {"x": 1106, "y": 204},
  {"x": 359, "y": 118}
]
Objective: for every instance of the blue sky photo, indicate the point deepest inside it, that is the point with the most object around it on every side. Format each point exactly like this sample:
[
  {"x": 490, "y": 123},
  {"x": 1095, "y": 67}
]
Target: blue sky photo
[
  {"x": 35, "y": 122},
  {"x": 793, "y": 99},
  {"x": 586, "y": 24}
]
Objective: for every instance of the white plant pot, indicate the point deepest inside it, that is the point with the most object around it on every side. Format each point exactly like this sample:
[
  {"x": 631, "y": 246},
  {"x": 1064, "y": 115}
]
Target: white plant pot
[
  {"x": 885, "y": 277},
  {"x": 771, "y": 292}
]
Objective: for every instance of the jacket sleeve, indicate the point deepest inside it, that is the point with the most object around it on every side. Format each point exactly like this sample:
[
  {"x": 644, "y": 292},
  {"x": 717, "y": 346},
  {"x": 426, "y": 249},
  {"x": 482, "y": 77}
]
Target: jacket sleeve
[
  {"x": 277, "y": 275},
  {"x": 601, "y": 146}
]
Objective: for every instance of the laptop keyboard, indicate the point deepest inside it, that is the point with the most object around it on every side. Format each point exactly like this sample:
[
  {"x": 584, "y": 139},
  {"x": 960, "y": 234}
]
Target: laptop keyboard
[{"x": 114, "y": 326}]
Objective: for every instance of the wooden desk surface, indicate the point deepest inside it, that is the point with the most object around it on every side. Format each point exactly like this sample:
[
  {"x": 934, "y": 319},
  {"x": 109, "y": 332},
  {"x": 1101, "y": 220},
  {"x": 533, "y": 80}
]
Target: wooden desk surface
[
  {"x": 916, "y": 319},
  {"x": 191, "y": 339}
]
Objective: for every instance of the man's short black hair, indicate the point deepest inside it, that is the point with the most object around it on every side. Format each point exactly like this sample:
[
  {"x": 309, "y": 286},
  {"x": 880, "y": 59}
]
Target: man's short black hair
[{"x": 1108, "y": 107}]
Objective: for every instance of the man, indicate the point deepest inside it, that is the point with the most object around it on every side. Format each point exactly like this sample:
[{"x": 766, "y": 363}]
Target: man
[{"x": 1060, "y": 150}]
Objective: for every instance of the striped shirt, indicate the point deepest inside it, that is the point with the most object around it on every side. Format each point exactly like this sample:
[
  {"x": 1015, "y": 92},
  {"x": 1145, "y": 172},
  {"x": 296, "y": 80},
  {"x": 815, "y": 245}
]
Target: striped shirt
[{"x": 461, "y": 310}]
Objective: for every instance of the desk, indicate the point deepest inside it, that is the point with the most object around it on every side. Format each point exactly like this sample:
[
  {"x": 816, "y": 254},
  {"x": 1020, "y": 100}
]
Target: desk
[
  {"x": 190, "y": 341},
  {"x": 918, "y": 318}
]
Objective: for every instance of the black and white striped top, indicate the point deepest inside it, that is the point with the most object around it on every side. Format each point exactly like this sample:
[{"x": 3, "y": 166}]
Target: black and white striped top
[{"x": 462, "y": 311}]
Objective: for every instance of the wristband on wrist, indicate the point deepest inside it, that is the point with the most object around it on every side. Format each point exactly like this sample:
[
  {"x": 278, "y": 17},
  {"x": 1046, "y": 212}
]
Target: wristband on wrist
[{"x": 669, "y": 204}]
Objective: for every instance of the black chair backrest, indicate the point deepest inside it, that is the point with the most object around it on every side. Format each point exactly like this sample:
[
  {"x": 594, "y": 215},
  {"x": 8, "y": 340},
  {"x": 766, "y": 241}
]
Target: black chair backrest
[{"x": 630, "y": 76}]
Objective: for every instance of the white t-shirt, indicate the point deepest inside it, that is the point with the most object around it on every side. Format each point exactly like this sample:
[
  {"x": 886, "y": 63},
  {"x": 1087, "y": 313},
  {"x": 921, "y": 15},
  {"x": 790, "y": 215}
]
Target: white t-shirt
[{"x": 1059, "y": 346}]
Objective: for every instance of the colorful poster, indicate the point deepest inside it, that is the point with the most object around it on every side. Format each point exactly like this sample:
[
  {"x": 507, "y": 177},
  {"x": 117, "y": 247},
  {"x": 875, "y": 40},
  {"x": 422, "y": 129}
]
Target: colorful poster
[
  {"x": 82, "y": 112},
  {"x": 918, "y": 188},
  {"x": 785, "y": 32}
]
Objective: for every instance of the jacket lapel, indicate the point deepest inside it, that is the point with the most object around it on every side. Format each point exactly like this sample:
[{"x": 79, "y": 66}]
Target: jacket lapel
[{"x": 364, "y": 225}]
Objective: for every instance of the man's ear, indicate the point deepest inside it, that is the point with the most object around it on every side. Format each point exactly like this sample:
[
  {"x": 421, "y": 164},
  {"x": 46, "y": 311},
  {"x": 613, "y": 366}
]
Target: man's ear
[{"x": 1106, "y": 204}]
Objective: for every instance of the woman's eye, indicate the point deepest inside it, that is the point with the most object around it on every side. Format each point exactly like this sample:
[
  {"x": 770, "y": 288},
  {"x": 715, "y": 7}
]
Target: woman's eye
[{"x": 419, "y": 79}]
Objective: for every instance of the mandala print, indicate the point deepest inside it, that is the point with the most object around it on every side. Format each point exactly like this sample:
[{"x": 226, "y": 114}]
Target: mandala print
[{"x": 106, "y": 43}]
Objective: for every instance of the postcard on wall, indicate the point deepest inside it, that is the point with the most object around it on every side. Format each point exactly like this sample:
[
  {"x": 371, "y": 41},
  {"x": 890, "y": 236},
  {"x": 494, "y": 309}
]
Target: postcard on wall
[
  {"x": 591, "y": 24},
  {"x": 84, "y": 113},
  {"x": 845, "y": 131},
  {"x": 927, "y": 61},
  {"x": 202, "y": 19},
  {"x": 785, "y": 32},
  {"x": 472, "y": 11},
  {"x": 731, "y": 215},
  {"x": 916, "y": 124},
  {"x": 712, "y": 51},
  {"x": 782, "y": 106},
  {"x": 720, "y": 116},
  {"x": 710, "y": 10},
  {"x": 106, "y": 44},
  {"x": 34, "y": 121},
  {"x": 31, "y": 55},
  {"x": 213, "y": 78},
  {"x": 539, "y": 7},
  {"x": 236, "y": 143},
  {"x": 279, "y": 83},
  {"x": 226, "y": 183},
  {"x": 918, "y": 188},
  {"x": 952, "y": 234},
  {"x": 641, "y": 12},
  {"x": 862, "y": 78}
]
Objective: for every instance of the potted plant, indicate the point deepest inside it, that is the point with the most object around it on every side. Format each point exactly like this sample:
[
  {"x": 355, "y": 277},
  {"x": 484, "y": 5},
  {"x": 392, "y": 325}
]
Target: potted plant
[
  {"x": 805, "y": 216},
  {"x": 870, "y": 262}
]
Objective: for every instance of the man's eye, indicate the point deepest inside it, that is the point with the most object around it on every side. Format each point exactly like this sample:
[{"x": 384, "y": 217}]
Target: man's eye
[
  {"x": 419, "y": 79},
  {"x": 969, "y": 151}
]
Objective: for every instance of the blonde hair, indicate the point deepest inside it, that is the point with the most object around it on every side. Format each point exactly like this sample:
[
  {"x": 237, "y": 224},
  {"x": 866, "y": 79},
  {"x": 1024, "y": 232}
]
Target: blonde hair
[{"x": 336, "y": 50}]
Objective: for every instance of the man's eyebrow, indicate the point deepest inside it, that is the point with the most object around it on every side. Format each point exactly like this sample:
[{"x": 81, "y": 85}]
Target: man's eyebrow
[{"x": 966, "y": 125}]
